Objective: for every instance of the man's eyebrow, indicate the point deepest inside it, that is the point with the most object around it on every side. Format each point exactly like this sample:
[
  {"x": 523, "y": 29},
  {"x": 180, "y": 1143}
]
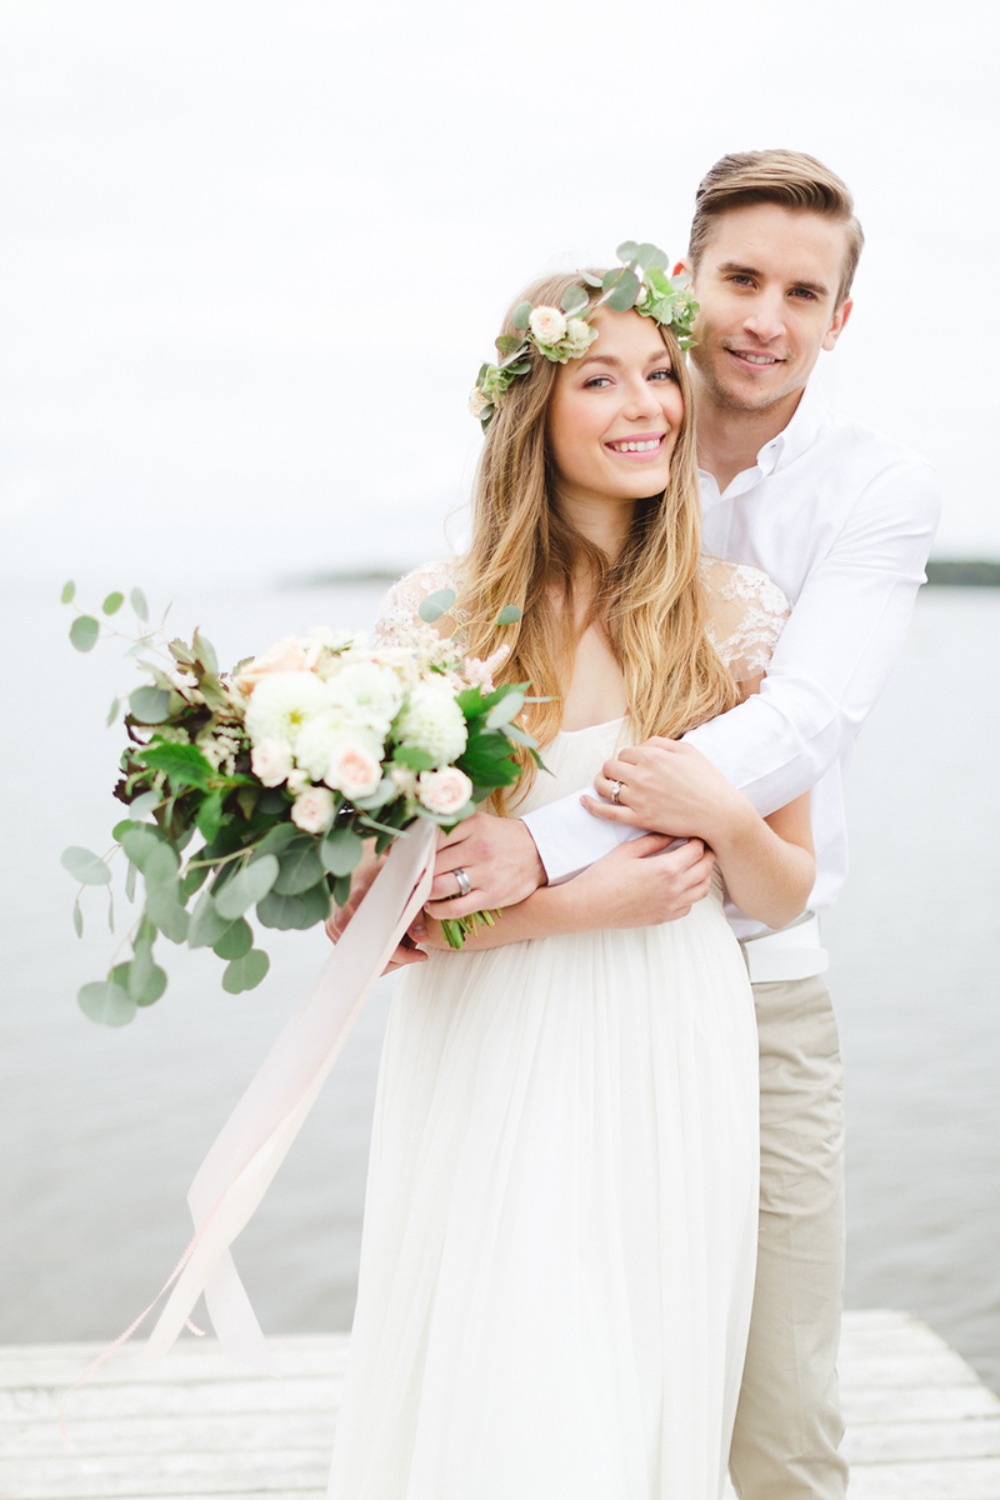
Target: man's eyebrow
[{"x": 733, "y": 268}]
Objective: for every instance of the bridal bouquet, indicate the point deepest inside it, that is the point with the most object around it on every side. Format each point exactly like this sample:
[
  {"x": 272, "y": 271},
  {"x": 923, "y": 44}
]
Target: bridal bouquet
[{"x": 257, "y": 790}]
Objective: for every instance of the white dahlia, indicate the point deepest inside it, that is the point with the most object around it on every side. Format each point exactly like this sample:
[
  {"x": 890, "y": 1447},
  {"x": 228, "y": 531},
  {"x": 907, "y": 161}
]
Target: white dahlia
[
  {"x": 432, "y": 721},
  {"x": 365, "y": 695},
  {"x": 282, "y": 703}
]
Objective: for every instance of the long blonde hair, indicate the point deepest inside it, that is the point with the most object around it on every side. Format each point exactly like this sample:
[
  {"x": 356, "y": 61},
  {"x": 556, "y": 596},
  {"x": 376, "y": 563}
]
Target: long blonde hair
[{"x": 648, "y": 600}]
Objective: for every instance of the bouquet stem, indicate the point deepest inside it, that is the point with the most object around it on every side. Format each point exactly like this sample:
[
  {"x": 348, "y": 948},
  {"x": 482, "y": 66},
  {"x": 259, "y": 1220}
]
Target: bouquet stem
[{"x": 457, "y": 929}]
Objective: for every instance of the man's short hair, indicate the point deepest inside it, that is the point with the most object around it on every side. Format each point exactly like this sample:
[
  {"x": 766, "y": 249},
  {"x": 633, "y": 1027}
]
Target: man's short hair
[{"x": 789, "y": 178}]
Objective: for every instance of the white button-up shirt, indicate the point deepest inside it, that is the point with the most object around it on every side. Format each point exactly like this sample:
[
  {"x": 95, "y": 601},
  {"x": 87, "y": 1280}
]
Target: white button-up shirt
[{"x": 842, "y": 520}]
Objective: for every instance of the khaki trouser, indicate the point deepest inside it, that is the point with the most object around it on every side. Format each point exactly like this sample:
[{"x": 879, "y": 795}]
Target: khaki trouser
[{"x": 788, "y": 1424}]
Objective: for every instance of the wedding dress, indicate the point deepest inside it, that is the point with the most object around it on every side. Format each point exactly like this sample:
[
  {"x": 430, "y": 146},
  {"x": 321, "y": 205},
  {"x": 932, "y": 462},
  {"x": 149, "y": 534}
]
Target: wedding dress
[{"x": 561, "y": 1214}]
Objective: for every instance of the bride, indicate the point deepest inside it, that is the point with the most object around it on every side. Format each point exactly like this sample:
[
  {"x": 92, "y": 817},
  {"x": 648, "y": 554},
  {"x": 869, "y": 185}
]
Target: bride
[{"x": 561, "y": 1213}]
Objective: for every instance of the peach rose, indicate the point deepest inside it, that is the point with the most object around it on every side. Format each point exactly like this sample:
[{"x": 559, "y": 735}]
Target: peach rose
[
  {"x": 313, "y": 810},
  {"x": 284, "y": 656},
  {"x": 271, "y": 761},
  {"x": 354, "y": 770},
  {"x": 444, "y": 792}
]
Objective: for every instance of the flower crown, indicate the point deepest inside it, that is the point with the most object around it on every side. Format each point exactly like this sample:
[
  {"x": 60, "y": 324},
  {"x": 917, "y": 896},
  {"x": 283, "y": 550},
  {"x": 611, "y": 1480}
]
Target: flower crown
[{"x": 565, "y": 332}]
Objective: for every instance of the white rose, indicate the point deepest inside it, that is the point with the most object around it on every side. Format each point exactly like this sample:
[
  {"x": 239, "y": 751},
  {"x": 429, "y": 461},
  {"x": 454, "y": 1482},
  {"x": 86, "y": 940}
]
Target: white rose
[
  {"x": 579, "y": 335},
  {"x": 478, "y": 402},
  {"x": 313, "y": 809},
  {"x": 433, "y": 721},
  {"x": 271, "y": 761},
  {"x": 297, "y": 781},
  {"x": 444, "y": 792},
  {"x": 547, "y": 324},
  {"x": 354, "y": 770}
]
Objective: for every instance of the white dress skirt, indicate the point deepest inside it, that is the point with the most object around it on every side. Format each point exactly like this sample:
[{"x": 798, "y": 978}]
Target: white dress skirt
[{"x": 561, "y": 1217}]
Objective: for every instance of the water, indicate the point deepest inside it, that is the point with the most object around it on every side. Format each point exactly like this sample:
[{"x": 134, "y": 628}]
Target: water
[{"x": 104, "y": 1129}]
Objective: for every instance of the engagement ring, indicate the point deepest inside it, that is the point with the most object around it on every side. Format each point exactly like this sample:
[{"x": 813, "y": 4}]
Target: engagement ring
[
  {"x": 464, "y": 883},
  {"x": 616, "y": 793}
]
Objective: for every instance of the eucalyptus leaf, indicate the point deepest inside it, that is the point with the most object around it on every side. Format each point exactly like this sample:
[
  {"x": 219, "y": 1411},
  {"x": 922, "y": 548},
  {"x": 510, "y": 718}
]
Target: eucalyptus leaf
[
  {"x": 207, "y": 927},
  {"x": 113, "y": 711},
  {"x": 574, "y": 300},
  {"x": 590, "y": 280},
  {"x": 651, "y": 257},
  {"x": 107, "y": 1002},
  {"x": 247, "y": 887},
  {"x": 137, "y": 599},
  {"x": 131, "y": 876},
  {"x": 297, "y": 912},
  {"x": 508, "y": 708},
  {"x": 77, "y": 919},
  {"x": 509, "y": 615},
  {"x": 192, "y": 881},
  {"x": 69, "y": 590},
  {"x": 140, "y": 807},
  {"x": 140, "y": 842},
  {"x": 628, "y": 250},
  {"x": 436, "y": 605},
  {"x": 111, "y": 910},
  {"x": 151, "y": 705},
  {"x": 521, "y": 314},
  {"x": 277, "y": 839},
  {"x": 299, "y": 868},
  {"x": 245, "y": 973},
  {"x": 236, "y": 941},
  {"x": 86, "y": 867},
  {"x": 342, "y": 890},
  {"x": 341, "y": 851},
  {"x": 624, "y": 293},
  {"x": 84, "y": 632},
  {"x": 163, "y": 895},
  {"x": 113, "y": 603}
]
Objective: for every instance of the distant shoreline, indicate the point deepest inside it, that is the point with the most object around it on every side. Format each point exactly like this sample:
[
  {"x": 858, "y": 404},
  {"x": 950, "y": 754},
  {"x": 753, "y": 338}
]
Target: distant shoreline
[{"x": 941, "y": 573}]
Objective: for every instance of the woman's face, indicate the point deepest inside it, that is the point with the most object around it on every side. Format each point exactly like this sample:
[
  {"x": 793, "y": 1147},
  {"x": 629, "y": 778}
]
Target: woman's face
[{"x": 614, "y": 416}]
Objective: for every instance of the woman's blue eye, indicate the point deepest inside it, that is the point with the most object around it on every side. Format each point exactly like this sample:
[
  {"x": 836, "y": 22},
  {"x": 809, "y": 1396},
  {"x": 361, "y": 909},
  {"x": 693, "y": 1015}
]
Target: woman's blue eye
[
  {"x": 596, "y": 381},
  {"x": 667, "y": 374}
]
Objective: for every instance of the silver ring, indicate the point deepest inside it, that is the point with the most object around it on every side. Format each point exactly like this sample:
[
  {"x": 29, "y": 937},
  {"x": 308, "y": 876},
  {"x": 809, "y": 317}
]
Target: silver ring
[
  {"x": 464, "y": 883},
  {"x": 616, "y": 793}
]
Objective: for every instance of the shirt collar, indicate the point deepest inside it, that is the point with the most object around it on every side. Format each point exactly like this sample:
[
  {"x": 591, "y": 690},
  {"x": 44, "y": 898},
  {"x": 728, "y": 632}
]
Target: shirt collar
[{"x": 800, "y": 433}]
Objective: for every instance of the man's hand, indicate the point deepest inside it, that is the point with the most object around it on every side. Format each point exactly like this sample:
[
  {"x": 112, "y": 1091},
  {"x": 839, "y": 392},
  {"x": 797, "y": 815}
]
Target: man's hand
[
  {"x": 666, "y": 785},
  {"x": 500, "y": 864}
]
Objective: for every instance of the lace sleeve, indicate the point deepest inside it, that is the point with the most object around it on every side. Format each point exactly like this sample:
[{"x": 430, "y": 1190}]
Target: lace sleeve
[
  {"x": 747, "y": 613},
  {"x": 399, "y": 622}
]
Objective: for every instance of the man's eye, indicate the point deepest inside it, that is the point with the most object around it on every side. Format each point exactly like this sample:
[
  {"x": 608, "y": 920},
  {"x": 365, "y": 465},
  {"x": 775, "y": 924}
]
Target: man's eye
[
  {"x": 804, "y": 294},
  {"x": 740, "y": 280}
]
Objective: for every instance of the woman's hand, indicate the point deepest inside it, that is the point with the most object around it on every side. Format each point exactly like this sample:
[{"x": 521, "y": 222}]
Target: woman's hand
[
  {"x": 643, "y": 883},
  {"x": 666, "y": 785},
  {"x": 361, "y": 882}
]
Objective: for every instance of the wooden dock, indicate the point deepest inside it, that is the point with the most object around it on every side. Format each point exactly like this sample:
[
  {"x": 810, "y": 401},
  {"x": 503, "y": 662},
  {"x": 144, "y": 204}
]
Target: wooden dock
[{"x": 194, "y": 1427}]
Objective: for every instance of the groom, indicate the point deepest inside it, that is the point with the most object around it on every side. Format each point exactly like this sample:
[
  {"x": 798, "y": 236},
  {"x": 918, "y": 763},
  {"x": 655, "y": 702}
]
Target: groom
[{"x": 842, "y": 520}]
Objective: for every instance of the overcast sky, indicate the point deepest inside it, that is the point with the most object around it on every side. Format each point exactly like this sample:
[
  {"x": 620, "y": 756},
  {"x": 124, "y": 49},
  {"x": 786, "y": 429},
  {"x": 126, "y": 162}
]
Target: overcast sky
[{"x": 253, "y": 253}]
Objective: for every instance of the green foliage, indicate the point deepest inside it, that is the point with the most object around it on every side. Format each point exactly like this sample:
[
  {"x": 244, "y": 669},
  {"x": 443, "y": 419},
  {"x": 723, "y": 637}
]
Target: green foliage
[
  {"x": 574, "y": 300},
  {"x": 140, "y": 608},
  {"x": 86, "y": 867},
  {"x": 299, "y": 868},
  {"x": 84, "y": 632},
  {"x": 245, "y": 973},
  {"x": 183, "y": 765},
  {"x": 107, "y": 1002},
  {"x": 68, "y": 593},
  {"x": 247, "y": 887},
  {"x": 509, "y": 615},
  {"x": 77, "y": 918},
  {"x": 236, "y": 941},
  {"x": 435, "y": 605},
  {"x": 413, "y": 758},
  {"x": 113, "y": 603},
  {"x": 296, "y": 912},
  {"x": 150, "y": 705},
  {"x": 209, "y": 816},
  {"x": 341, "y": 852}
]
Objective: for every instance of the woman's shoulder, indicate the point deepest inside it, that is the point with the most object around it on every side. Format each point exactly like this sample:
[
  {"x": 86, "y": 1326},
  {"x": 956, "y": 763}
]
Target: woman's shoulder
[
  {"x": 746, "y": 614},
  {"x": 399, "y": 618}
]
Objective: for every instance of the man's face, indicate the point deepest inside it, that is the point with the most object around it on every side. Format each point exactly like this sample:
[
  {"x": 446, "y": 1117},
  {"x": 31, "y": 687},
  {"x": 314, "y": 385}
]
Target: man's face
[{"x": 767, "y": 283}]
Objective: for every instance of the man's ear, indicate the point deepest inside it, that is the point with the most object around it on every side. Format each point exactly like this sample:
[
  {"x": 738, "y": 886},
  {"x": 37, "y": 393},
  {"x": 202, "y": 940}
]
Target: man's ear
[
  {"x": 682, "y": 269},
  {"x": 838, "y": 325}
]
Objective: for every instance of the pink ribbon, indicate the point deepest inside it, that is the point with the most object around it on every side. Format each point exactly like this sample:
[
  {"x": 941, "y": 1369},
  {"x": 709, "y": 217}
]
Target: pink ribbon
[{"x": 254, "y": 1141}]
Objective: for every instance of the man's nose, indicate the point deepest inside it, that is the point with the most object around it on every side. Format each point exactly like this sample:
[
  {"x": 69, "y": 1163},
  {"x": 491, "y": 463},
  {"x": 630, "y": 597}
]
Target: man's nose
[{"x": 766, "y": 318}]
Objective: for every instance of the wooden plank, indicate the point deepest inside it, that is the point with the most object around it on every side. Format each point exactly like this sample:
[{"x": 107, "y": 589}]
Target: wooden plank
[{"x": 194, "y": 1427}]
